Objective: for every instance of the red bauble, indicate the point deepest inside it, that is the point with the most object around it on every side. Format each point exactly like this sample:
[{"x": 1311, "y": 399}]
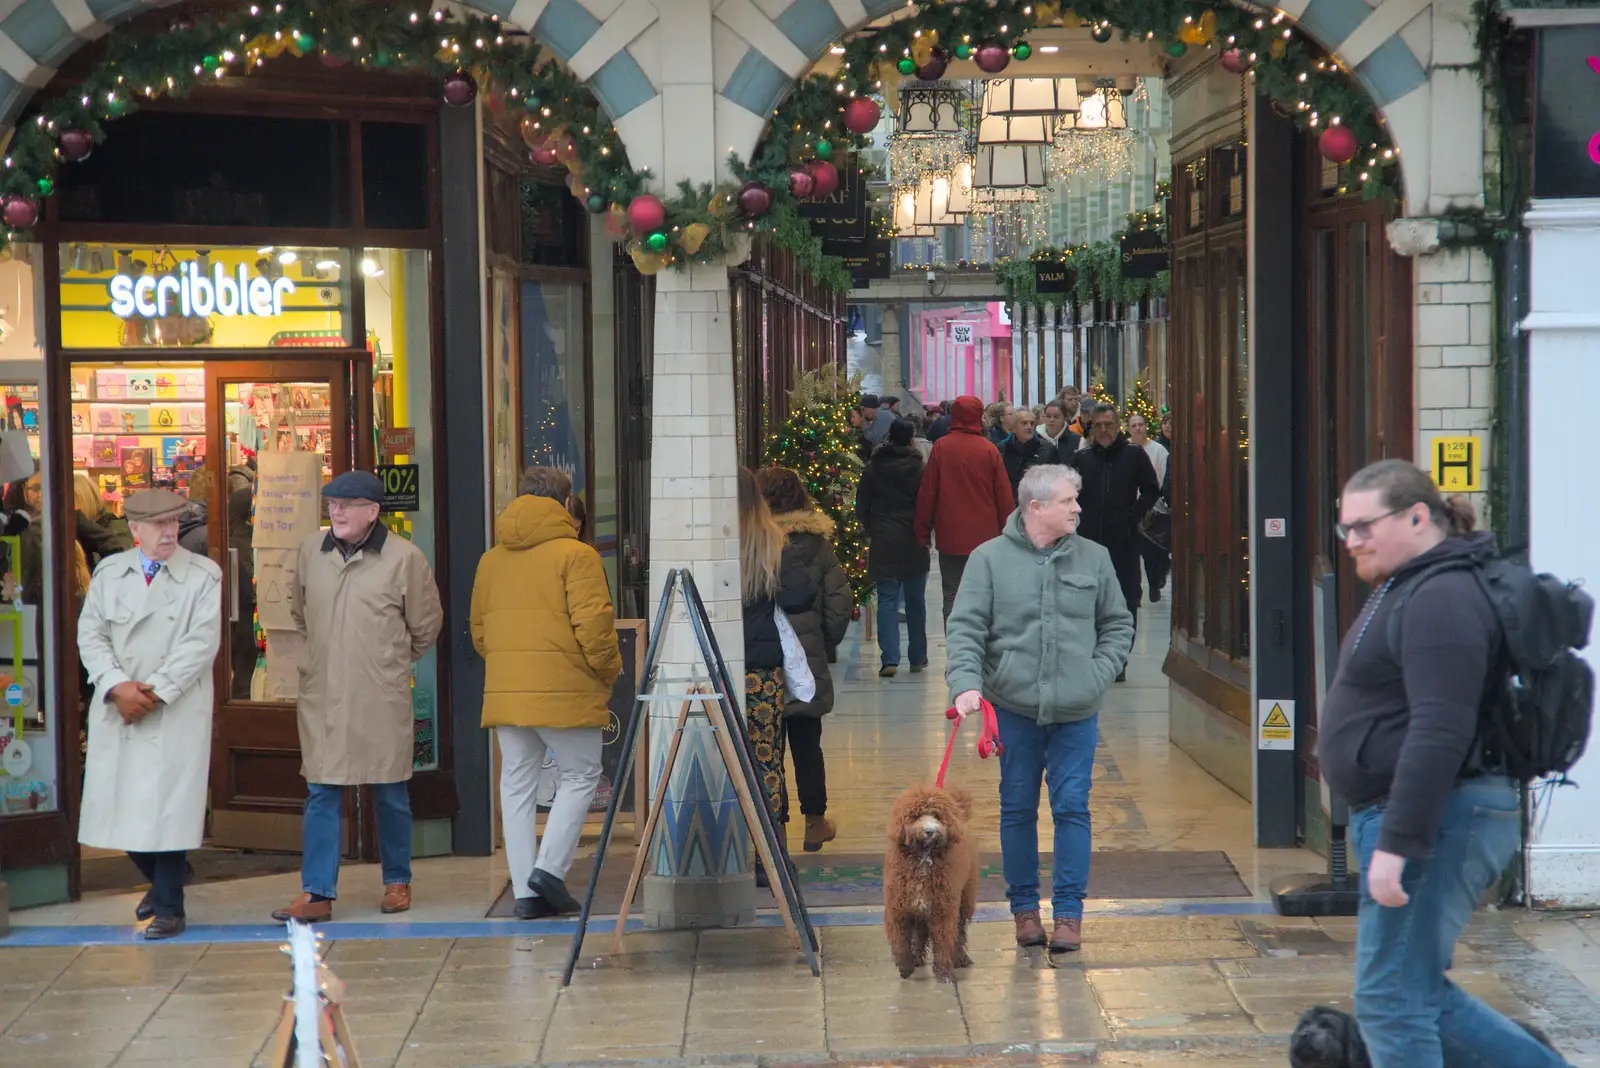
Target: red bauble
[
  {"x": 824, "y": 177},
  {"x": 646, "y": 213},
  {"x": 334, "y": 62},
  {"x": 20, "y": 212},
  {"x": 933, "y": 70},
  {"x": 861, "y": 115},
  {"x": 1338, "y": 144},
  {"x": 992, "y": 58},
  {"x": 755, "y": 199},
  {"x": 460, "y": 89},
  {"x": 801, "y": 182},
  {"x": 544, "y": 155},
  {"x": 76, "y": 145},
  {"x": 1235, "y": 61}
]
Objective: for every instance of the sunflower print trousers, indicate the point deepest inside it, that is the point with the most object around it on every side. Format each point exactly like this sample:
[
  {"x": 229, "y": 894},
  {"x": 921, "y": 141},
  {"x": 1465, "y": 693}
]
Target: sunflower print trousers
[{"x": 763, "y": 711}]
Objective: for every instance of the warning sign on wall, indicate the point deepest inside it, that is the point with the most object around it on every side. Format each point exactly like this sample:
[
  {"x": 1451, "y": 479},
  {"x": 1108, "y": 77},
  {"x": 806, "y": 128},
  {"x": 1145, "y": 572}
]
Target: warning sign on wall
[
  {"x": 1275, "y": 724},
  {"x": 1456, "y": 464}
]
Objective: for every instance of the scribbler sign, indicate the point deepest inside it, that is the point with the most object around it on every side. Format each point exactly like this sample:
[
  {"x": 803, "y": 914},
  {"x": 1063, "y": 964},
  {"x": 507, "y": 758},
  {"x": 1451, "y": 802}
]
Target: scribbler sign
[{"x": 191, "y": 292}]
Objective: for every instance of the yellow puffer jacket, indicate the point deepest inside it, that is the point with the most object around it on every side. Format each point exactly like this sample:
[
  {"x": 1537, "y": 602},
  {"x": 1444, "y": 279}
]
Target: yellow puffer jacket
[{"x": 542, "y": 621}]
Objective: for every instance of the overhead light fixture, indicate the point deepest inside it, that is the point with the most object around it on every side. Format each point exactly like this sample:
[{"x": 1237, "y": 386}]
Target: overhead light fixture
[
  {"x": 1104, "y": 109},
  {"x": 1009, "y": 167},
  {"x": 1049, "y": 50},
  {"x": 287, "y": 256},
  {"x": 836, "y": 50},
  {"x": 264, "y": 250},
  {"x": 905, "y": 216},
  {"x": 370, "y": 268},
  {"x": 930, "y": 137},
  {"x": 1016, "y": 130},
  {"x": 327, "y": 265},
  {"x": 1030, "y": 96}
]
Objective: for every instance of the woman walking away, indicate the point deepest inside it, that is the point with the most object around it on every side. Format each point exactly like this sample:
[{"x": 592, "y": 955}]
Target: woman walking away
[
  {"x": 543, "y": 623},
  {"x": 1157, "y": 558},
  {"x": 774, "y": 579},
  {"x": 810, "y": 534},
  {"x": 886, "y": 502}
]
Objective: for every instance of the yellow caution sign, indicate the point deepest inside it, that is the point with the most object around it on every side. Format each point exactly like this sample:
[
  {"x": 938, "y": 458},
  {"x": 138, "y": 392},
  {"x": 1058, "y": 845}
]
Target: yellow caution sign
[
  {"x": 1457, "y": 464},
  {"x": 1275, "y": 724}
]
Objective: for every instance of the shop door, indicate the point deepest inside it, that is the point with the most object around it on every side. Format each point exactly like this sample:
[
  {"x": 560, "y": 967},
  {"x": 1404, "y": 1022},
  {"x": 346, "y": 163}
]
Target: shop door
[{"x": 295, "y": 417}]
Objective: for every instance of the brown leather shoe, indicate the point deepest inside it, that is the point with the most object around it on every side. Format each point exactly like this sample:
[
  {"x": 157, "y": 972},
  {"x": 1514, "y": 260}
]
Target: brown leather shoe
[
  {"x": 396, "y": 897},
  {"x": 304, "y": 910},
  {"x": 1030, "y": 932},
  {"x": 819, "y": 832},
  {"x": 1068, "y": 935}
]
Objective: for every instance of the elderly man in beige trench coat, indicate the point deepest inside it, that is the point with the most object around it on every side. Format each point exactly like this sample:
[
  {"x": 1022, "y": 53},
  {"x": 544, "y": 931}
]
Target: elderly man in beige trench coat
[
  {"x": 148, "y": 636},
  {"x": 368, "y": 608}
]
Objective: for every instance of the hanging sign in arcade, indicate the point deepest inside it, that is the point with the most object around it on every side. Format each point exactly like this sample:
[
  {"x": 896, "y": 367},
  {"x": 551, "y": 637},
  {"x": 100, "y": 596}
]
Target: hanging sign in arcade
[
  {"x": 191, "y": 292},
  {"x": 841, "y": 220},
  {"x": 1052, "y": 276},
  {"x": 1144, "y": 254}
]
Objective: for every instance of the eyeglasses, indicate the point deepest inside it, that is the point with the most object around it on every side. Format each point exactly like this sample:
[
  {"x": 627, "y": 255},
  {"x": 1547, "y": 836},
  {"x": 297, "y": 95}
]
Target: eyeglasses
[
  {"x": 339, "y": 504},
  {"x": 1361, "y": 528}
]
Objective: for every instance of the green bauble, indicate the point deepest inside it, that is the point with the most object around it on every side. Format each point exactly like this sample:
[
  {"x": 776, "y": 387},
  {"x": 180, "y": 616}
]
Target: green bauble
[
  {"x": 45, "y": 187},
  {"x": 656, "y": 242},
  {"x": 1023, "y": 50},
  {"x": 211, "y": 62},
  {"x": 530, "y": 103},
  {"x": 824, "y": 149},
  {"x": 596, "y": 204},
  {"x": 963, "y": 51},
  {"x": 1177, "y": 49},
  {"x": 382, "y": 58},
  {"x": 305, "y": 41},
  {"x": 906, "y": 66}
]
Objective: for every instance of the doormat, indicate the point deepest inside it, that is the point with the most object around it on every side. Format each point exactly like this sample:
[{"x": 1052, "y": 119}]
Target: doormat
[
  {"x": 207, "y": 866},
  {"x": 856, "y": 879}
]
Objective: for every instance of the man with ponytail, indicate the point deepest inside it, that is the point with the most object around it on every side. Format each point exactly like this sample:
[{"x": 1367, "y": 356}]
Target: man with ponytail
[{"x": 1434, "y": 818}]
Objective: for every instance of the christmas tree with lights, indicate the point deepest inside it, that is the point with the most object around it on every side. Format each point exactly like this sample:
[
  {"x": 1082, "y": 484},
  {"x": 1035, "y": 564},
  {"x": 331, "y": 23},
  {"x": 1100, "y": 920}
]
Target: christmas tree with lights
[
  {"x": 1099, "y": 394},
  {"x": 1139, "y": 403},
  {"x": 818, "y": 443}
]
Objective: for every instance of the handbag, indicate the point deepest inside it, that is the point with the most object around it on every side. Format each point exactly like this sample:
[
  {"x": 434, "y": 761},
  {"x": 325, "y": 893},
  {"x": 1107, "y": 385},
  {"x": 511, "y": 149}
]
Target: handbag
[{"x": 797, "y": 678}]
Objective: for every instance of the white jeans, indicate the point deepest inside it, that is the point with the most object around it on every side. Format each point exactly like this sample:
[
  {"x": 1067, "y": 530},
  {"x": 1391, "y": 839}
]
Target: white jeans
[{"x": 522, "y": 749}]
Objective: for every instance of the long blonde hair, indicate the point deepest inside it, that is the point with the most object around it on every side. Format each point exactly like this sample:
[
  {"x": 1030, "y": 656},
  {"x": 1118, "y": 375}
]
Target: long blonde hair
[
  {"x": 85, "y": 496},
  {"x": 760, "y": 542}
]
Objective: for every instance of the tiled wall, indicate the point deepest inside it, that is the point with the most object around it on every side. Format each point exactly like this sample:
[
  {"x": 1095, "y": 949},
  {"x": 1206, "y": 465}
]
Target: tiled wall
[{"x": 1454, "y": 338}]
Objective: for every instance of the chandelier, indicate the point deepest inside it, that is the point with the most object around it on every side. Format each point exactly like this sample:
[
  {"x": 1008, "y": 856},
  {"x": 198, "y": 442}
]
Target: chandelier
[
  {"x": 1009, "y": 166},
  {"x": 1030, "y": 96},
  {"x": 1104, "y": 109},
  {"x": 930, "y": 137},
  {"x": 1102, "y": 155}
]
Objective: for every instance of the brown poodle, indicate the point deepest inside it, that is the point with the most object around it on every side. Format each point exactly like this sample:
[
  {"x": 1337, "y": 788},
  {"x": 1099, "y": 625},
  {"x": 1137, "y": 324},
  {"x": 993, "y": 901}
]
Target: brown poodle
[{"x": 930, "y": 880}]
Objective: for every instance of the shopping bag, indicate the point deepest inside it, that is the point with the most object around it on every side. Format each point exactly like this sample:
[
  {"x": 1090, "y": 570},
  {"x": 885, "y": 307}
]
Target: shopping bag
[{"x": 797, "y": 678}]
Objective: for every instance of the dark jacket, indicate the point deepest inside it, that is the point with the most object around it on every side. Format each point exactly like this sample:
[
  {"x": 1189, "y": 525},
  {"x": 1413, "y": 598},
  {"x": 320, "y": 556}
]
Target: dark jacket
[
  {"x": 877, "y": 431},
  {"x": 192, "y": 529},
  {"x": 939, "y": 427},
  {"x": 1401, "y": 715},
  {"x": 822, "y": 627},
  {"x": 1066, "y": 445},
  {"x": 103, "y": 536},
  {"x": 1119, "y": 487},
  {"x": 886, "y": 502},
  {"x": 996, "y": 435},
  {"x": 965, "y": 497},
  {"x": 1019, "y": 457},
  {"x": 796, "y": 594}
]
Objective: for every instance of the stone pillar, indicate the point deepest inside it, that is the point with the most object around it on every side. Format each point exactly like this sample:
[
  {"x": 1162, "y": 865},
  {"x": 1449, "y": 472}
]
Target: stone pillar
[
  {"x": 700, "y": 872},
  {"x": 889, "y": 358}
]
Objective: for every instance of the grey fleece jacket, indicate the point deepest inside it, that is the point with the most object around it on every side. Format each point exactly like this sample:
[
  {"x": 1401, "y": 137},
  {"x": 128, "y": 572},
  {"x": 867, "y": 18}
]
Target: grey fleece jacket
[{"x": 1040, "y": 633}]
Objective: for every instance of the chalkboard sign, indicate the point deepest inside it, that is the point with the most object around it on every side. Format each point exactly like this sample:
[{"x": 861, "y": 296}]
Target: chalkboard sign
[{"x": 631, "y": 641}]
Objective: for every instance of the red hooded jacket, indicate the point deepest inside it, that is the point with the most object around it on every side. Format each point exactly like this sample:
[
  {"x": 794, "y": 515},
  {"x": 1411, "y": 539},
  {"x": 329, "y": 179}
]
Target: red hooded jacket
[{"x": 965, "y": 497}]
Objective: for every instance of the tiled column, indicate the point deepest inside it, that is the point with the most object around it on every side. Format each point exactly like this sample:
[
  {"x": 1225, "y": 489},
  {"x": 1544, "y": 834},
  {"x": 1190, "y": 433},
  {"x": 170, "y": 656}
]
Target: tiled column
[
  {"x": 1454, "y": 340},
  {"x": 700, "y": 868}
]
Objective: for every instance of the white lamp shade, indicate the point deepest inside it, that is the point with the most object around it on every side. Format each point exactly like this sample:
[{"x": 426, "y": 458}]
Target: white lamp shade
[
  {"x": 905, "y": 216},
  {"x": 1030, "y": 96},
  {"x": 933, "y": 203},
  {"x": 1016, "y": 130},
  {"x": 930, "y": 108},
  {"x": 1008, "y": 167},
  {"x": 961, "y": 189},
  {"x": 1104, "y": 109}
]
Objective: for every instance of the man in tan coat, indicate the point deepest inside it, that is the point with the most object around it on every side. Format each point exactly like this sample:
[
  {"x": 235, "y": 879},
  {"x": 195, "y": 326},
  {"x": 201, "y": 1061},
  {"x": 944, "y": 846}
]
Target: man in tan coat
[
  {"x": 368, "y": 608},
  {"x": 148, "y": 636}
]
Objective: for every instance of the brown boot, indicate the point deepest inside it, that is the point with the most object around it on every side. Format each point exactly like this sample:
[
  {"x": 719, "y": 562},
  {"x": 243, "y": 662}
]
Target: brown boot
[
  {"x": 305, "y": 910},
  {"x": 1030, "y": 932},
  {"x": 1068, "y": 936},
  {"x": 819, "y": 832},
  {"x": 396, "y": 897}
]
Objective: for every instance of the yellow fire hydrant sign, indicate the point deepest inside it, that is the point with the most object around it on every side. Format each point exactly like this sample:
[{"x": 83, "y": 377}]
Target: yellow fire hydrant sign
[{"x": 1456, "y": 464}]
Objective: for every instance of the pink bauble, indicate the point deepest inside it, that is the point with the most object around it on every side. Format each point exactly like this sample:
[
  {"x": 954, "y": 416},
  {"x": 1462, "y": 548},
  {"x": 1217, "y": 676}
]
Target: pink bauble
[
  {"x": 861, "y": 115},
  {"x": 801, "y": 182},
  {"x": 933, "y": 70},
  {"x": 544, "y": 155},
  {"x": 76, "y": 145},
  {"x": 1338, "y": 144},
  {"x": 646, "y": 213},
  {"x": 20, "y": 212},
  {"x": 459, "y": 89},
  {"x": 755, "y": 199},
  {"x": 825, "y": 178},
  {"x": 1235, "y": 61},
  {"x": 992, "y": 58},
  {"x": 332, "y": 61}
]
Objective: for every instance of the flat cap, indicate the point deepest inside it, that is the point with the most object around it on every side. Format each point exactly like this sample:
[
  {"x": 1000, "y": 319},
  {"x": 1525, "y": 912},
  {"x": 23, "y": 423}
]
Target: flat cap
[
  {"x": 149, "y": 505},
  {"x": 870, "y": 400},
  {"x": 355, "y": 486}
]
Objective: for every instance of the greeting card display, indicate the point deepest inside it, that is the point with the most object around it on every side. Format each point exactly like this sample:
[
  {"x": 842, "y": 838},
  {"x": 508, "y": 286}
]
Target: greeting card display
[{"x": 137, "y": 467}]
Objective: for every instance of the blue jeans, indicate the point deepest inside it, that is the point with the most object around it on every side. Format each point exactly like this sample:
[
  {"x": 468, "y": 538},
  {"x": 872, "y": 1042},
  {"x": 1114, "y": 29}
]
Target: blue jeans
[
  {"x": 319, "y": 864},
  {"x": 1062, "y": 755},
  {"x": 914, "y": 593},
  {"x": 1411, "y": 1015}
]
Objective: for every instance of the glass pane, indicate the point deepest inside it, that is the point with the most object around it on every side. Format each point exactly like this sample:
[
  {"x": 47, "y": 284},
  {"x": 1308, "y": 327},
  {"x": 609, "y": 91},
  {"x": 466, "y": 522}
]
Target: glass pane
[
  {"x": 30, "y": 785},
  {"x": 1324, "y": 341},
  {"x": 1241, "y": 461},
  {"x": 273, "y": 297},
  {"x": 1357, "y": 334},
  {"x": 394, "y": 175},
  {"x": 400, "y": 333},
  {"x": 555, "y": 413},
  {"x": 505, "y": 465}
]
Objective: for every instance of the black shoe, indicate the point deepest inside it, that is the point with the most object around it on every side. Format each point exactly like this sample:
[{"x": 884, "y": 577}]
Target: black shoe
[
  {"x": 762, "y": 882},
  {"x": 917, "y": 669},
  {"x": 553, "y": 890},
  {"x": 1155, "y": 596},
  {"x": 145, "y": 909},
  {"x": 164, "y": 927},
  {"x": 534, "y": 908},
  {"x": 1122, "y": 676},
  {"x": 888, "y": 671}
]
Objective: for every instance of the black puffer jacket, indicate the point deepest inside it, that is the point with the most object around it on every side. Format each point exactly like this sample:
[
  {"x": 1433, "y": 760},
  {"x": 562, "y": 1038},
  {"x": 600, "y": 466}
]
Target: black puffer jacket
[
  {"x": 822, "y": 628},
  {"x": 886, "y": 502},
  {"x": 796, "y": 594},
  {"x": 1119, "y": 487},
  {"x": 1019, "y": 457}
]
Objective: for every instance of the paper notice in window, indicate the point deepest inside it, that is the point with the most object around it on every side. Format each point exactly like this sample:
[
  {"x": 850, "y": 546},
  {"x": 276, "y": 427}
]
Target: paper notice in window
[
  {"x": 275, "y": 570},
  {"x": 287, "y": 508},
  {"x": 285, "y": 649}
]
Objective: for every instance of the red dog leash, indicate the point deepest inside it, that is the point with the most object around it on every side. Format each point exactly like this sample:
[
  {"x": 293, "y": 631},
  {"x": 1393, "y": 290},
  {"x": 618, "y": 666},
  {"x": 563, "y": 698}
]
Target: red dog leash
[{"x": 988, "y": 740}]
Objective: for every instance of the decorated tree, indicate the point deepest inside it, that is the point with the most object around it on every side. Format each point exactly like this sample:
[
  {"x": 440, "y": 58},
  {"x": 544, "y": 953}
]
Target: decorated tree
[
  {"x": 1100, "y": 394},
  {"x": 1139, "y": 403},
  {"x": 817, "y": 442}
]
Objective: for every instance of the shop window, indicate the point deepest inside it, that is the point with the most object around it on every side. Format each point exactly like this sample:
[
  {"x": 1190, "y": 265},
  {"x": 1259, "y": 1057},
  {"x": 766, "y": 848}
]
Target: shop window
[
  {"x": 394, "y": 175},
  {"x": 116, "y": 296},
  {"x": 213, "y": 170},
  {"x": 553, "y": 226},
  {"x": 555, "y": 379},
  {"x": 505, "y": 465}
]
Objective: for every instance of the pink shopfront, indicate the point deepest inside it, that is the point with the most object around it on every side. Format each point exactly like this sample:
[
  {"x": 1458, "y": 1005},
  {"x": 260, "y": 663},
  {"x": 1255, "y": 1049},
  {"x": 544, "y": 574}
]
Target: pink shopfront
[{"x": 958, "y": 351}]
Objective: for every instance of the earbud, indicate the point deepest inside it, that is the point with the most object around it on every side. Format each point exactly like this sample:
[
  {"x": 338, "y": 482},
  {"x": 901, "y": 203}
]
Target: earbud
[{"x": 1415, "y": 521}]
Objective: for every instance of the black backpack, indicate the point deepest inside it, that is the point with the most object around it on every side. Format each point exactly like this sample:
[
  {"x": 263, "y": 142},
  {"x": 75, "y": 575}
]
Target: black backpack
[{"x": 1534, "y": 723}]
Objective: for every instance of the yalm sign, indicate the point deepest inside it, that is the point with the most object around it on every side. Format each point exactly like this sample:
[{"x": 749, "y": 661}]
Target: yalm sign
[{"x": 191, "y": 292}]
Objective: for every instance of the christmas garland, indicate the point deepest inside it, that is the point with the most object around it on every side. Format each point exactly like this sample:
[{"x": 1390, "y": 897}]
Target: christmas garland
[{"x": 1097, "y": 275}]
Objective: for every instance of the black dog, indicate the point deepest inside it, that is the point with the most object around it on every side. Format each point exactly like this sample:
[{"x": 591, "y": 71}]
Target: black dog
[{"x": 1327, "y": 1038}]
